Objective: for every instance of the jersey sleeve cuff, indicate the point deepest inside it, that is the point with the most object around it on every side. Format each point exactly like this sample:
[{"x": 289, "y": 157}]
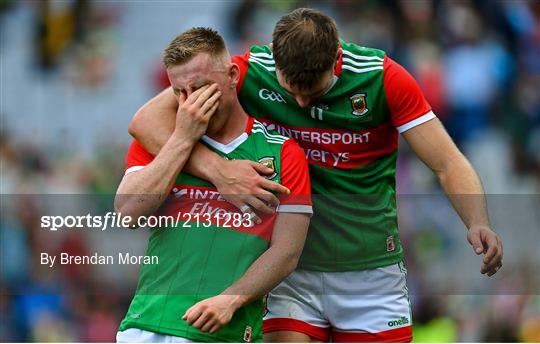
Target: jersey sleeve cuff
[
  {"x": 295, "y": 208},
  {"x": 133, "y": 169},
  {"x": 417, "y": 121}
]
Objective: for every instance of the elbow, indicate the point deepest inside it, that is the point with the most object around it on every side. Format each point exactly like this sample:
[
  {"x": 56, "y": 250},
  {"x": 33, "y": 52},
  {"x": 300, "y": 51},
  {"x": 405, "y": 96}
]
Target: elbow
[
  {"x": 291, "y": 262},
  {"x": 125, "y": 212},
  {"x": 135, "y": 127}
]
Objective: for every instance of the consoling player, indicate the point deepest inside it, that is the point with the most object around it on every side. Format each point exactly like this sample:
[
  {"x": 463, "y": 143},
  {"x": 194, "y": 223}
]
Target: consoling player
[
  {"x": 216, "y": 265},
  {"x": 345, "y": 105}
]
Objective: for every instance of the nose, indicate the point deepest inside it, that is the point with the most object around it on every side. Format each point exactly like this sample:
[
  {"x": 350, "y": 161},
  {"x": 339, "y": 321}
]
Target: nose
[{"x": 303, "y": 101}]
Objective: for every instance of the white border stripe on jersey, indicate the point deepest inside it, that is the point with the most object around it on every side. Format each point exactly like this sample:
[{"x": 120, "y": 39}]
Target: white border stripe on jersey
[
  {"x": 269, "y": 139},
  {"x": 273, "y": 140},
  {"x": 422, "y": 119},
  {"x": 258, "y": 124},
  {"x": 361, "y": 64},
  {"x": 271, "y": 69},
  {"x": 295, "y": 208},
  {"x": 133, "y": 169},
  {"x": 228, "y": 147},
  {"x": 263, "y": 127},
  {"x": 361, "y": 70},
  {"x": 258, "y": 59},
  {"x": 261, "y": 55},
  {"x": 274, "y": 136},
  {"x": 360, "y": 57}
]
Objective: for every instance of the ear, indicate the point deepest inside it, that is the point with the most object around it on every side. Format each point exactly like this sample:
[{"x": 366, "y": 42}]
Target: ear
[
  {"x": 271, "y": 46},
  {"x": 336, "y": 59},
  {"x": 234, "y": 74}
]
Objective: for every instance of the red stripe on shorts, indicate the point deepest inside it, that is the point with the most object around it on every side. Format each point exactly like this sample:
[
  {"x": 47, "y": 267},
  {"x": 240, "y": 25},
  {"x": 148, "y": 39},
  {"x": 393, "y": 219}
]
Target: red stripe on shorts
[
  {"x": 398, "y": 335},
  {"x": 288, "y": 324}
]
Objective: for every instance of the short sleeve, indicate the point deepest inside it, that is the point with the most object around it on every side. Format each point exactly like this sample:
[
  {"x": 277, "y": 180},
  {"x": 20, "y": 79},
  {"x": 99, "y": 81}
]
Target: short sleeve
[
  {"x": 242, "y": 62},
  {"x": 295, "y": 176},
  {"x": 137, "y": 158},
  {"x": 408, "y": 106}
]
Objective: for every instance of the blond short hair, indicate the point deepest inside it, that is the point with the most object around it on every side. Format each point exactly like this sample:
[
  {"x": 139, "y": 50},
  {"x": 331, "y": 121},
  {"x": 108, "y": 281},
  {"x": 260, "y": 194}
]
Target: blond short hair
[{"x": 191, "y": 43}]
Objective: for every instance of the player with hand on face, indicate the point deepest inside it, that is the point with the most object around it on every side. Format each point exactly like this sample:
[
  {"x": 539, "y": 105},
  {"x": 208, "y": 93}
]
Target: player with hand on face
[
  {"x": 215, "y": 266},
  {"x": 345, "y": 105}
]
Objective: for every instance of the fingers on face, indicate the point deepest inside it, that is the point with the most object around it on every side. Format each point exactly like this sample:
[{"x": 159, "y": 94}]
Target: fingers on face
[
  {"x": 182, "y": 98},
  {"x": 203, "y": 94},
  {"x": 195, "y": 95},
  {"x": 212, "y": 110},
  {"x": 210, "y": 103}
]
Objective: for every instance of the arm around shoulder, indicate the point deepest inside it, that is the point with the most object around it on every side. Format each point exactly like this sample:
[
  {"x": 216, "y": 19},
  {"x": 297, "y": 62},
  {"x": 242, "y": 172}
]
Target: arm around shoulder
[{"x": 154, "y": 122}]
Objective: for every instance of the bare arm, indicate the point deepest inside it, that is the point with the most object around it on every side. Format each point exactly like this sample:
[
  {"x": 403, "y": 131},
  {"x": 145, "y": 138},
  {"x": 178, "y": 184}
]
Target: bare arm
[
  {"x": 153, "y": 125},
  {"x": 154, "y": 122},
  {"x": 265, "y": 273},
  {"x": 141, "y": 193},
  {"x": 462, "y": 185},
  {"x": 238, "y": 181}
]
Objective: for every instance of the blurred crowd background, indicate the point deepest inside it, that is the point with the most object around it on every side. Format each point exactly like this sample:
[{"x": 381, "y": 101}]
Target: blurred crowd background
[{"x": 74, "y": 72}]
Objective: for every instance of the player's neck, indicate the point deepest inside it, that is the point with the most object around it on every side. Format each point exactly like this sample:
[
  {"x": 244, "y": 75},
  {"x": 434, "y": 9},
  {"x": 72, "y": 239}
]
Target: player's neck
[{"x": 228, "y": 125}]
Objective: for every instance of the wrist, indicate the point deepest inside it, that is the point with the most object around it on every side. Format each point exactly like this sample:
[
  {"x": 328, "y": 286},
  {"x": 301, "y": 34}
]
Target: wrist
[
  {"x": 180, "y": 139},
  {"x": 479, "y": 225},
  {"x": 238, "y": 301},
  {"x": 212, "y": 169}
]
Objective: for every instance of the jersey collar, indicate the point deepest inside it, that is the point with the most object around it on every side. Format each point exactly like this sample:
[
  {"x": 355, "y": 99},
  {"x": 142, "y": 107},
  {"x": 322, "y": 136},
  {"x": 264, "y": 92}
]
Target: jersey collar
[
  {"x": 231, "y": 146},
  {"x": 337, "y": 70}
]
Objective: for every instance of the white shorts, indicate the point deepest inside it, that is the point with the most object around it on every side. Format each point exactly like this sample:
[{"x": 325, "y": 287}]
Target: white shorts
[
  {"x": 352, "y": 306},
  {"x": 135, "y": 335}
]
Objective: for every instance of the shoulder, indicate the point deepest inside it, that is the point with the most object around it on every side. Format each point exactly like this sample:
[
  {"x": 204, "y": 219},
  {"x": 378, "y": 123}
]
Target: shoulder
[
  {"x": 261, "y": 58},
  {"x": 271, "y": 136},
  {"x": 358, "y": 59}
]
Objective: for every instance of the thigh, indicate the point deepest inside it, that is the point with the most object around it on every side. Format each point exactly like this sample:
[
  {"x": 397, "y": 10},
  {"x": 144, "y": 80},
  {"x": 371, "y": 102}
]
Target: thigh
[
  {"x": 287, "y": 337},
  {"x": 294, "y": 310},
  {"x": 369, "y": 305}
]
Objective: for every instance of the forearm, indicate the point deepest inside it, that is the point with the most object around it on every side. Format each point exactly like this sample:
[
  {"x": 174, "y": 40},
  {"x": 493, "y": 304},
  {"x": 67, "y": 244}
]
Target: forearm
[
  {"x": 143, "y": 192},
  {"x": 203, "y": 162},
  {"x": 263, "y": 275},
  {"x": 464, "y": 189},
  {"x": 154, "y": 122},
  {"x": 276, "y": 263}
]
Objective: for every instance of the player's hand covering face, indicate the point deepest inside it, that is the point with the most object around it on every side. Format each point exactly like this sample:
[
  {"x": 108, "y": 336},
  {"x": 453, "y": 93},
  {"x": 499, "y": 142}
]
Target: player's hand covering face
[{"x": 196, "y": 110}]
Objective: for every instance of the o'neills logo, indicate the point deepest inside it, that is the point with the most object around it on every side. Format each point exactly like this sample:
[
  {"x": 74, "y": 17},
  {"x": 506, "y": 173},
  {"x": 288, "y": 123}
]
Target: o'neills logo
[{"x": 359, "y": 104}]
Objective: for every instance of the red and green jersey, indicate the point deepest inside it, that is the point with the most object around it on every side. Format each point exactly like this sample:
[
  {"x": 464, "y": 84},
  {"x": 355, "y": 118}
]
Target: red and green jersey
[
  {"x": 350, "y": 140},
  {"x": 205, "y": 254}
]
